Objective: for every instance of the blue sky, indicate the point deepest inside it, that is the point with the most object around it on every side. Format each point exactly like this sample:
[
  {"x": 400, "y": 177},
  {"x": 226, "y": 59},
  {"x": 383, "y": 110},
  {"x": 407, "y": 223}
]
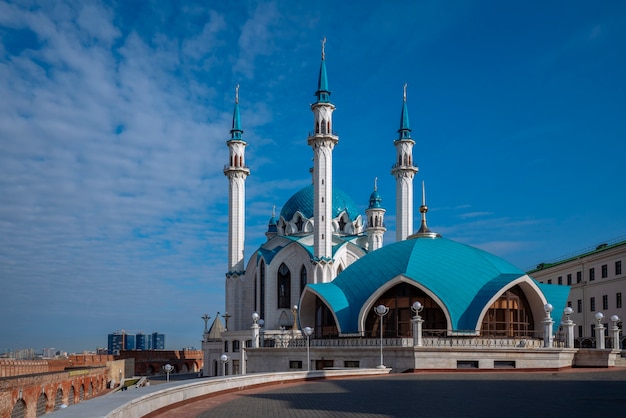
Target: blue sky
[{"x": 114, "y": 117}]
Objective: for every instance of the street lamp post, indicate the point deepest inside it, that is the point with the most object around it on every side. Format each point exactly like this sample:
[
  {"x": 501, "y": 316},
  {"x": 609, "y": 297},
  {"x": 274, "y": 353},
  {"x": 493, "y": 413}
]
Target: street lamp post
[
  {"x": 294, "y": 311},
  {"x": 547, "y": 326},
  {"x": 206, "y": 318},
  {"x": 417, "y": 323},
  {"x": 308, "y": 331},
  {"x": 224, "y": 360},
  {"x": 168, "y": 368},
  {"x": 381, "y": 311},
  {"x": 226, "y": 316},
  {"x": 615, "y": 332},
  {"x": 255, "y": 330},
  {"x": 569, "y": 328},
  {"x": 599, "y": 331}
]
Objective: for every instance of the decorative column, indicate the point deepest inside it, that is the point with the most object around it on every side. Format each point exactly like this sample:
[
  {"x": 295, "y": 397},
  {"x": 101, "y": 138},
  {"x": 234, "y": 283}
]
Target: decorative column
[
  {"x": 417, "y": 322},
  {"x": 615, "y": 332},
  {"x": 242, "y": 344},
  {"x": 547, "y": 326},
  {"x": 568, "y": 324},
  {"x": 600, "y": 341}
]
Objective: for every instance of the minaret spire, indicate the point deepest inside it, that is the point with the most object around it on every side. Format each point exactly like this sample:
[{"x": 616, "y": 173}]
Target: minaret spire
[
  {"x": 236, "y": 171},
  {"x": 322, "y": 93},
  {"x": 322, "y": 141},
  {"x": 404, "y": 171},
  {"x": 272, "y": 227},
  {"x": 424, "y": 231}
]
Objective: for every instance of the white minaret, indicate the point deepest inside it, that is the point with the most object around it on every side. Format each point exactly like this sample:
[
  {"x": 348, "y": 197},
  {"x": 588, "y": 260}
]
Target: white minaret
[
  {"x": 323, "y": 141},
  {"x": 404, "y": 171},
  {"x": 375, "y": 220},
  {"x": 236, "y": 171}
]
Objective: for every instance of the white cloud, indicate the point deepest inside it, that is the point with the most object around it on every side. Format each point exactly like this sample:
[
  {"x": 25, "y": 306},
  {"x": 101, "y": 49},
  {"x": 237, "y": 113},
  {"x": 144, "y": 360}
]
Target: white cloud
[{"x": 106, "y": 167}]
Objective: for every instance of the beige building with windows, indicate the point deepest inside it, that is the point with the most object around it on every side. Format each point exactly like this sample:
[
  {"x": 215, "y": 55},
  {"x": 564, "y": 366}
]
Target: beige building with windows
[{"x": 598, "y": 284}]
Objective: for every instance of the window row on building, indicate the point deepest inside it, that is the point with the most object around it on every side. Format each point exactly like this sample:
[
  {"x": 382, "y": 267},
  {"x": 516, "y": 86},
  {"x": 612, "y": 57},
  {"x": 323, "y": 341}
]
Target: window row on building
[
  {"x": 604, "y": 273},
  {"x": 592, "y": 303}
]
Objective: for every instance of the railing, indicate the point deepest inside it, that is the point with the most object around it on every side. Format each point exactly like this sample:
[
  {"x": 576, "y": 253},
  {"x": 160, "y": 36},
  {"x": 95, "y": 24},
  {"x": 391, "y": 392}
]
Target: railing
[{"x": 442, "y": 340}]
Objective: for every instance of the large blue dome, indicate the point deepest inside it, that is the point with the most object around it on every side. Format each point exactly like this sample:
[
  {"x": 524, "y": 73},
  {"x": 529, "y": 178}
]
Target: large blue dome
[
  {"x": 303, "y": 201},
  {"x": 464, "y": 279}
]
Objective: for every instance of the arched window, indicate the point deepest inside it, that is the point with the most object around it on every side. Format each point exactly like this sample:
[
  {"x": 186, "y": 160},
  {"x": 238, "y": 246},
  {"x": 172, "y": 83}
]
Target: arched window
[
  {"x": 325, "y": 325},
  {"x": 284, "y": 286},
  {"x": 509, "y": 316},
  {"x": 58, "y": 399},
  {"x": 342, "y": 224},
  {"x": 42, "y": 403},
  {"x": 303, "y": 279},
  {"x": 71, "y": 395},
  {"x": 19, "y": 409},
  {"x": 397, "y": 323},
  {"x": 262, "y": 290},
  {"x": 255, "y": 294},
  {"x": 299, "y": 224}
]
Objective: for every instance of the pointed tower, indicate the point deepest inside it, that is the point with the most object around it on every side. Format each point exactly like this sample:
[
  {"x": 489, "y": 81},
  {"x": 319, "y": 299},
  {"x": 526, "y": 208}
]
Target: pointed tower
[
  {"x": 424, "y": 232},
  {"x": 322, "y": 141},
  {"x": 236, "y": 171},
  {"x": 404, "y": 171},
  {"x": 375, "y": 220},
  {"x": 272, "y": 226}
]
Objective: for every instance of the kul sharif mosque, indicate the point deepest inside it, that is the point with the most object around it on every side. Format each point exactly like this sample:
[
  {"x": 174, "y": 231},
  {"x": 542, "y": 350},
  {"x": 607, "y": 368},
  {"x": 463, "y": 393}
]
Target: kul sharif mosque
[{"x": 324, "y": 266}]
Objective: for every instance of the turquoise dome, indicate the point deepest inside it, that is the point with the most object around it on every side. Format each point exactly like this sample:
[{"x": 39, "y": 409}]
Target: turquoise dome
[
  {"x": 375, "y": 200},
  {"x": 464, "y": 278},
  {"x": 303, "y": 201}
]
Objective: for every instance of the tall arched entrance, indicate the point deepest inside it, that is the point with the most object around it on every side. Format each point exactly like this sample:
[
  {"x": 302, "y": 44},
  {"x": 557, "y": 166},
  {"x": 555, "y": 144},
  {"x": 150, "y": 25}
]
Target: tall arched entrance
[
  {"x": 397, "y": 323},
  {"x": 509, "y": 316},
  {"x": 325, "y": 325}
]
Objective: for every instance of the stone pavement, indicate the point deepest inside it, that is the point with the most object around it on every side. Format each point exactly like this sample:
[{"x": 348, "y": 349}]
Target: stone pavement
[{"x": 572, "y": 393}]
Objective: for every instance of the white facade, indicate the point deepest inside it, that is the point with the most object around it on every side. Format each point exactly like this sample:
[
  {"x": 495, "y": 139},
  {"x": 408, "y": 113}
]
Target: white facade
[{"x": 598, "y": 284}]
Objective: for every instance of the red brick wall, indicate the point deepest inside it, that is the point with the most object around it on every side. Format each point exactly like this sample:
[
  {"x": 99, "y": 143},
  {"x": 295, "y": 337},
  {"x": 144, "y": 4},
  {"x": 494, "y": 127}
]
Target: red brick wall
[
  {"x": 152, "y": 361},
  {"x": 30, "y": 387}
]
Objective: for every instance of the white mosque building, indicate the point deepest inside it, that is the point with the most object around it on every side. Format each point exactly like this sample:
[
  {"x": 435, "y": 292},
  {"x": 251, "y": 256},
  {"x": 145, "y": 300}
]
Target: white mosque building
[{"x": 324, "y": 269}]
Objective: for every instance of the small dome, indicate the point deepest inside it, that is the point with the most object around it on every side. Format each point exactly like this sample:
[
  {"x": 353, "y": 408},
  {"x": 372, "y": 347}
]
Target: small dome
[
  {"x": 303, "y": 201},
  {"x": 375, "y": 200}
]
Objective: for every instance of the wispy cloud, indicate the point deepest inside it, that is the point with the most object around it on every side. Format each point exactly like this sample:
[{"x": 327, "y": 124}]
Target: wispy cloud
[
  {"x": 469, "y": 215},
  {"x": 105, "y": 169}
]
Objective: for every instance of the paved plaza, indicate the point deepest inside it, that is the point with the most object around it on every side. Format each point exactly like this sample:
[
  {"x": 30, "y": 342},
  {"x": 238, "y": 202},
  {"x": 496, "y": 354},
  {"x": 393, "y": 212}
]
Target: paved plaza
[{"x": 574, "y": 393}]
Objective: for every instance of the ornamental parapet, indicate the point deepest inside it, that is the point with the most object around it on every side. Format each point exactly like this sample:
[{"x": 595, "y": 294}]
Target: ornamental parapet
[{"x": 289, "y": 339}]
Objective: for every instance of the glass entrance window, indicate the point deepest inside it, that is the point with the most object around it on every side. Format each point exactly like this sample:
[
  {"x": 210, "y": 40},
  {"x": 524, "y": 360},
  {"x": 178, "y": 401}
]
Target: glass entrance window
[
  {"x": 509, "y": 316},
  {"x": 397, "y": 323}
]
